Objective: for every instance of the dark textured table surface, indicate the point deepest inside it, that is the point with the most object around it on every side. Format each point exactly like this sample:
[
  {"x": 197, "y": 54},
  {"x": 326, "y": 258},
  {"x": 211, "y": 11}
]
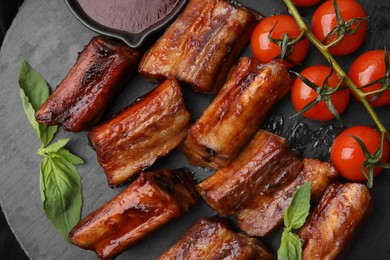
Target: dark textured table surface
[
  {"x": 48, "y": 37},
  {"x": 9, "y": 246}
]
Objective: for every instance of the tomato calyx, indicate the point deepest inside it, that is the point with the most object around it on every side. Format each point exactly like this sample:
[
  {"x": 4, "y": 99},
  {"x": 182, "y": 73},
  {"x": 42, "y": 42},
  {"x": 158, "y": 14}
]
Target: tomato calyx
[
  {"x": 343, "y": 28},
  {"x": 286, "y": 45},
  {"x": 324, "y": 93},
  {"x": 372, "y": 160},
  {"x": 384, "y": 81}
]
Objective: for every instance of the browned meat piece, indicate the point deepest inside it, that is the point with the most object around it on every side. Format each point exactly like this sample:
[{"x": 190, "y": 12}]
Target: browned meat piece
[
  {"x": 141, "y": 133},
  {"x": 199, "y": 48},
  {"x": 261, "y": 183},
  {"x": 150, "y": 202},
  {"x": 264, "y": 213},
  {"x": 213, "y": 239},
  {"x": 265, "y": 161},
  {"x": 235, "y": 114},
  {"x": 101, "y": 71},
  {"x": 334, "y": 221}
]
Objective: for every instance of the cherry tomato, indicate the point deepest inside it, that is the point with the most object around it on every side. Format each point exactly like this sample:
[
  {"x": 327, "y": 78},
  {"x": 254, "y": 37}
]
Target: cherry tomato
[
  {"x": 347, "y": 156},
  {"x": 324, "y": 20},
  {"x": 264, "y": 50},
  {"x": 367, "y": 68},
  {"x": 302, "y": 94},
  {"x": 305, "y": 2}
]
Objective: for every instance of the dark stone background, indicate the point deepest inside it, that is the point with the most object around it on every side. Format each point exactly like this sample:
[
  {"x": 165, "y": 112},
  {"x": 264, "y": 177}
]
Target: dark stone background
[{"x": 9, "y": 246}]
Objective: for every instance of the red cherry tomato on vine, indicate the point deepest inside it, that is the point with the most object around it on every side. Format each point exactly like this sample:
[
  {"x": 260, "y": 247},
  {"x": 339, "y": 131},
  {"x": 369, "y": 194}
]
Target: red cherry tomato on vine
[
  {"x": 302, "y": 95},
  {"x": 347, "y": 156},
  {"x": 264, "y": 50},
  {"x": 305, "y": 2},
  {"x": 367, "y": 68},
  {"x": 324, "y": 20}
]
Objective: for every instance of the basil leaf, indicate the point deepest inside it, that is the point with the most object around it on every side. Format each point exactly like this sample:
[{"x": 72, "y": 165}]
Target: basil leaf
[
  {"x": 61, "y": 192},
  {"x": 290, "y": 247},
  {"x": 73, "y": 159},
  {"x": 47, "y": 133},
  {"x": 30, "y": 112},
  {"x": 33, "y": 84},
  {"x": 57, "y": 150},
  {"x": 53, "y": 148},
  {"x": 296, "y": 213},
  {"x": 34, "y": 91}
]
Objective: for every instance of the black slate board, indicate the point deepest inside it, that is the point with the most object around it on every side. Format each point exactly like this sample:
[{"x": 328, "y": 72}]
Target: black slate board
[{"x": 48, "y": 37}]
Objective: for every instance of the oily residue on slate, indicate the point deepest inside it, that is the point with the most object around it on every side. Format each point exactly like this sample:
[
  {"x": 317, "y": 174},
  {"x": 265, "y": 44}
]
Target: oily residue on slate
[{"x": 312, "y": 142}]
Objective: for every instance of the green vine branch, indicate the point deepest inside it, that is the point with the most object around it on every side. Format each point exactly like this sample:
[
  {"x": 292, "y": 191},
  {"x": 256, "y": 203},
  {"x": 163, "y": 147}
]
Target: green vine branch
[{"x": 341, "y": 73}]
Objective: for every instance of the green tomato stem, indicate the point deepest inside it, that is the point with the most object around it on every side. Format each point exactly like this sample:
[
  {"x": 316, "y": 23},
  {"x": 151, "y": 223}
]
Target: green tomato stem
[{"x": 340, "y": 72}]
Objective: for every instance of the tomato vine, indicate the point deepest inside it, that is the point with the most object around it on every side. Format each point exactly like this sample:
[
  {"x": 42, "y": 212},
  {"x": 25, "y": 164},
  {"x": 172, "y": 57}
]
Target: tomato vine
[{"x": 337, "y": 68}]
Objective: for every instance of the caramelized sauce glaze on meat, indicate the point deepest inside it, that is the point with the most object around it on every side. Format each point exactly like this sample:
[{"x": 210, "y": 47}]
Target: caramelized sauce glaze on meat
[
  {"x": 261, "y": 183},
  {"x": 199, "y": 48},
  {"x": 214, "y": 239},
  {"x": 236, "y": 113},
  {"x": 101, "y": 71},
  {"x": 258, "y": 165},
  {"x": 264, "y": 213},
  {"x": 146, "y": 130},
  {"x": 151, "y": 201},
  {"x": 333, "y": 222}
]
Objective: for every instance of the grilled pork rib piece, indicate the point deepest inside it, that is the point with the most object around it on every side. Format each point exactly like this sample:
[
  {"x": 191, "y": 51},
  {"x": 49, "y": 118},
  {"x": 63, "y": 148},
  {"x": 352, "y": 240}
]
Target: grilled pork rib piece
[
  {"x": 265, "y": 212},
  {"x": 101, "y": 71},
  {"x": 236, "y": 113},
  {"x": 199, "y": 48},
  {"x": 214, "y": 239},
  {"x": 261, "y": 183},
  {"x": 256, "y": 166},
  {"x": 151, "y": 201},
  {"x": 335, "y": 219},
  {"x": 146, "y": 130}
]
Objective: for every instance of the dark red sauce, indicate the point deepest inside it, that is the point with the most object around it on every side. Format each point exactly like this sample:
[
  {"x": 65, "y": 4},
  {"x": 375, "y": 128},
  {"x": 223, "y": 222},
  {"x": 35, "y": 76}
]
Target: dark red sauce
[{"x": 132, "y": 16}]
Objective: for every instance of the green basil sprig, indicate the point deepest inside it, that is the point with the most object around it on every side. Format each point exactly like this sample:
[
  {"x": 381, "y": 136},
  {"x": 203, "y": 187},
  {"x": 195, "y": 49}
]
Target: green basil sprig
[
  {"x": 294, "y": 217},
  {"x": 60, "y": 182}
]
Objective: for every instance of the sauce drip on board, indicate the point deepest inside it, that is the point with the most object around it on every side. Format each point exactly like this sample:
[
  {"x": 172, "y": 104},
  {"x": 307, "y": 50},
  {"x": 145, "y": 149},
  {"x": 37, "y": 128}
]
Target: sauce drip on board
[{"x": 132, "y": 16}]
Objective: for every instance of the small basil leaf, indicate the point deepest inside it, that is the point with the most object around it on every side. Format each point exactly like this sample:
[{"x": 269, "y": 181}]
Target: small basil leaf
[
  {"x": 47, "y": 133},
  {"x": 62, "y": 194},
  {"x": 290, "y": 247},
  {"x": 56, "y": 146},
  {"x": 34, "y": 91},
  {"x": 45, "y": 167},
  {"x": 296, "y": 213},
  {"x": 73, "y": 159},
  {"x": 33, "y": 84},
  {"x": 30, "y": 113}
]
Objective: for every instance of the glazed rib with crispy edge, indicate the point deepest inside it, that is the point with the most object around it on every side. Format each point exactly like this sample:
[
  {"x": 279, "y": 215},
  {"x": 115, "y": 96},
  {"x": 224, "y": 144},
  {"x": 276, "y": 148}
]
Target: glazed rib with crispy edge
[
  {"x": 264, "y": 212},
  {"x": 101, "y": 71},
  {"x": 146, "y": 130},
  {"x": 236, "y": 113},
  {"x": 261, "y": 183},
  {"x": 265, "y": 160},
  {"x": 213, "y": 238},
  {"x": 199, "y": 48},
  {"x": 333, "y": 222},
  {"x": 151, "y": 201}
]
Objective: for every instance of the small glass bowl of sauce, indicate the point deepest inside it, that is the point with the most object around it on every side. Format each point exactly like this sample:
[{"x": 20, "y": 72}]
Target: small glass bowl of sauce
[{"x": 132, "y": 21}]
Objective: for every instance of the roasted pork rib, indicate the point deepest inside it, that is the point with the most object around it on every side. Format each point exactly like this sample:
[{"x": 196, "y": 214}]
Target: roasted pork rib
[
  {"x": 333, "y": 222},
  {"x": 262, "y": 214},
  {"x": 199, "y": 48},
  {"x": 261, "y": 182},
  {"x": 214, "y": 239},
  {"x": 141, "y": 133},
  {"x": 236, "y": 113},
  {"x": 151, "y": 201},
  {"x": 230, "y": 188},
  {"x": 101, "y": 71}
]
